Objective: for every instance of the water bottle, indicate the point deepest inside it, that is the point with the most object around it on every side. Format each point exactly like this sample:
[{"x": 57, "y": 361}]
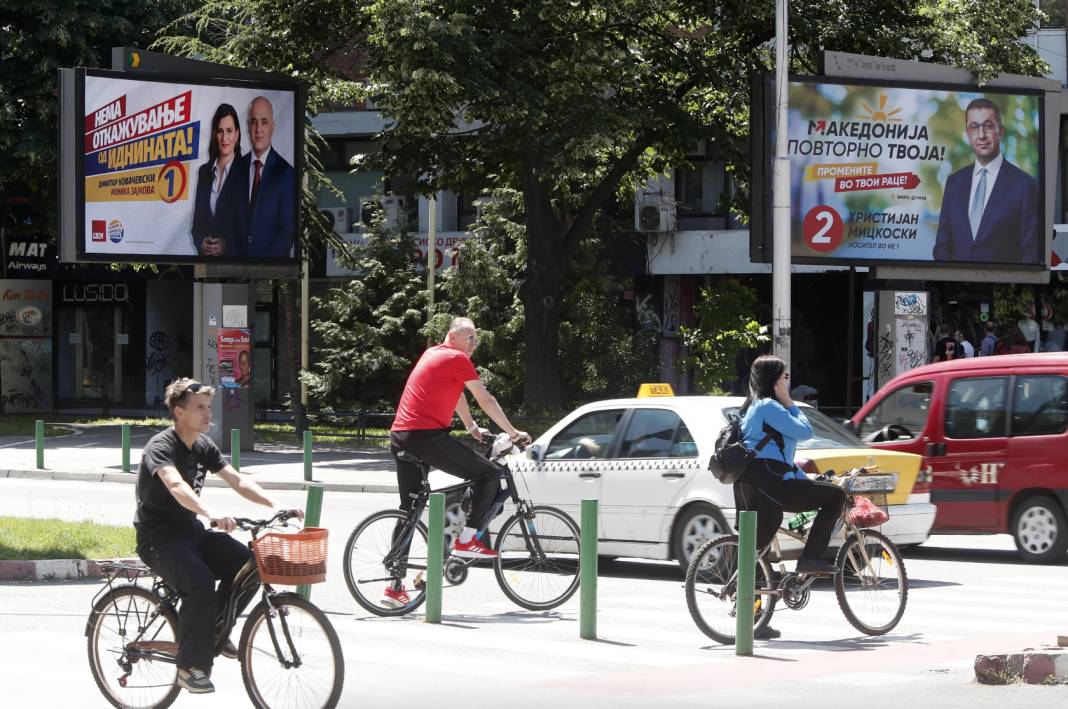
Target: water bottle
[{"x": 799, "y": 520}]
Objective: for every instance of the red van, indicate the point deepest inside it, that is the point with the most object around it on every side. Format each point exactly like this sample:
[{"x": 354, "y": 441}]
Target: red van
[{"x": 993, "y": 432}]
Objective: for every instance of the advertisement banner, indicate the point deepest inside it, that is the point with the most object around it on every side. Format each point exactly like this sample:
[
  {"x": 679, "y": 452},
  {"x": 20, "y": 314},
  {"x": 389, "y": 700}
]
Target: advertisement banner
[
  {"x": 187, "y": 172},
  {"x": 25, "y": 345},
  {"x": 915, "y": 175},
  {"x": 235, "y": 358}
]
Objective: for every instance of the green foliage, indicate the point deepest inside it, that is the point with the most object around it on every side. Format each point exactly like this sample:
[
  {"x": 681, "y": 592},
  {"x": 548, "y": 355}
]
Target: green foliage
[{"x": 725, "y": 329}]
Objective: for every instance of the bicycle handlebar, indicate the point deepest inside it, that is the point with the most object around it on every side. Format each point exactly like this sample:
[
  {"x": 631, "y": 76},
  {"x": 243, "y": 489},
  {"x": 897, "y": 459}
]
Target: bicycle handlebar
[{"x": 250, "y": 525}]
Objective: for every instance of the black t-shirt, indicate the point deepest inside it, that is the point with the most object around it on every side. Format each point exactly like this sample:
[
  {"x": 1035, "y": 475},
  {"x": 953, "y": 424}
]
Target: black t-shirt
[{"x": 157, "y": 510}]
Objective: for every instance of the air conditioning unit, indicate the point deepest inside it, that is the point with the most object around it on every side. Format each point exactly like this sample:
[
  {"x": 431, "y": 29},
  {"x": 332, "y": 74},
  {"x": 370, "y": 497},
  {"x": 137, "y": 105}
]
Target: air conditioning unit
[
  {"x": 394, "y": 210},
  {"x": 338, "y": 219},
  {"x": 654, "y": 216}
]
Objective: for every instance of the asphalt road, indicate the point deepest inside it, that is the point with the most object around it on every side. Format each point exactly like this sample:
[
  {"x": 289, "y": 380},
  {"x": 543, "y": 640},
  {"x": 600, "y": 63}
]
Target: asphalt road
[{"x": 967, "y": 595}]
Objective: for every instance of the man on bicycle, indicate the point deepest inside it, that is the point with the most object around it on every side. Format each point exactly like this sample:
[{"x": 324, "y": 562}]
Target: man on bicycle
[
  {"x": 433, "y": 392},
  {"x": 177, "y": 546}
]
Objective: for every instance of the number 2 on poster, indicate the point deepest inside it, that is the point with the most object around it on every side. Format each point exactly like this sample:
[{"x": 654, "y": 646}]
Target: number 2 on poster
[{"x": 823, "y": 228}]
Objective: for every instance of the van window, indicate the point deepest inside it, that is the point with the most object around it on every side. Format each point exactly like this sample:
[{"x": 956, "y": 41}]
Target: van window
[
  {"x": 1040, "y": 406},
  {"x": 906, "y": 407},
  {"x": 976, "y": 408}
]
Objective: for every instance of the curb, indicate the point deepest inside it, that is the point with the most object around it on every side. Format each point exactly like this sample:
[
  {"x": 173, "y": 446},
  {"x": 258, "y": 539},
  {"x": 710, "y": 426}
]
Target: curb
[
  {"x": 1045, "y": 665},
  {"x": 131, "y": 478},
  {"x": 54, "y": 569}
]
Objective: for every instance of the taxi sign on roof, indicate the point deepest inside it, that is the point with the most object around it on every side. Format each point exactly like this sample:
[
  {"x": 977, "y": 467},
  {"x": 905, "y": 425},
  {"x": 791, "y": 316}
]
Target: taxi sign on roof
[{"x": 655, "y": 390}]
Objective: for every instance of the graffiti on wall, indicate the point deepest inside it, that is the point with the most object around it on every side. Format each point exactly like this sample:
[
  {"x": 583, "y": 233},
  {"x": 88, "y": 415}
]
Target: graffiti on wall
[
  {"x": 26, "y": 373},
  {"x": 911, "y": 343}
]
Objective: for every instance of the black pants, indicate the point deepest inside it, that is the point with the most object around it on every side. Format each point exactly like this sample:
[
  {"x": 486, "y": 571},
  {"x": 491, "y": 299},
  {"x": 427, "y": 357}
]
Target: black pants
[
  {"x": 191, "y": 561},
  {"x": 763, "y": 490},
  {"x": 438, "y": 449}
]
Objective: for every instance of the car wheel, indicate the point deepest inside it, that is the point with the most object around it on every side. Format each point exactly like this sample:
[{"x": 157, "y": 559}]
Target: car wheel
[
  {"x": 1039, "y": 530},
  {"x": 696, "y": 525}
]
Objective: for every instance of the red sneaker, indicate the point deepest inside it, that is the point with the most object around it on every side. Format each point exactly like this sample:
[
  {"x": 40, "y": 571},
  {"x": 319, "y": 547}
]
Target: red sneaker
[
  {"x": 395, "y": 598},
  {"x": 474, "y": 549}
]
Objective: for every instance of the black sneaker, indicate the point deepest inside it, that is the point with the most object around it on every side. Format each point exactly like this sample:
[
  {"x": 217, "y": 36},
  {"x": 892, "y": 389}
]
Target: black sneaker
[
  {"x": 195, "y": 681},
  {"x": 767, "y": 633},
  {"x": 229, "y": 650},
  {"x": 816, "y": 566}
]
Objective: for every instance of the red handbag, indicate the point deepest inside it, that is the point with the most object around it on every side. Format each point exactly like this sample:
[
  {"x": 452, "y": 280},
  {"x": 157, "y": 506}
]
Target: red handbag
[{"x": 865, "y": 513}]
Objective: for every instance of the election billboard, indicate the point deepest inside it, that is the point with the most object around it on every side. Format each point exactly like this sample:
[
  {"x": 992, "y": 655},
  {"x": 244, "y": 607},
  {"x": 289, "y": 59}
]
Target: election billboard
[
  {"x": 173, "y": 170},
  {"x": 884, "y": 173}
]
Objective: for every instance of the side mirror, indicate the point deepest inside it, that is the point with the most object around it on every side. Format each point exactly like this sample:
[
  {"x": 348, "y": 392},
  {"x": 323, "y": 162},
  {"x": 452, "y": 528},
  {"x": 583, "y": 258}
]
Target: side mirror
[
  {"x": 851, "y": 427},
  {"x": 535, "y": 452}
]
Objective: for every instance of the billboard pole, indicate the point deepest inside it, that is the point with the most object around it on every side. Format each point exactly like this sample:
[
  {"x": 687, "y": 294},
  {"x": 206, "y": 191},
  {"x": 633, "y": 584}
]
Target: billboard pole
[
  {"x": 780, "y": 269},
  {"x": 431, "y": 256}
]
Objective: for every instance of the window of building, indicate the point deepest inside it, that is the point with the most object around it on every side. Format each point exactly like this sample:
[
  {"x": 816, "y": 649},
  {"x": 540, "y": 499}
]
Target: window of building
[{"x": 1054, "y": 13}]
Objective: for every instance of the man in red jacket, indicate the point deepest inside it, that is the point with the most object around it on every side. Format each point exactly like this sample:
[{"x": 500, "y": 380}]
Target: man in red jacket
[{"x": 433, "y": 393}]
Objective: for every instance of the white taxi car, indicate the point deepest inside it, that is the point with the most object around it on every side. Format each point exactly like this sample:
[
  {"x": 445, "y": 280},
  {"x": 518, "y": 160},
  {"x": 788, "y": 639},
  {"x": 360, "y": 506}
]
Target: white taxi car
[{"x": 646, "y": 461}]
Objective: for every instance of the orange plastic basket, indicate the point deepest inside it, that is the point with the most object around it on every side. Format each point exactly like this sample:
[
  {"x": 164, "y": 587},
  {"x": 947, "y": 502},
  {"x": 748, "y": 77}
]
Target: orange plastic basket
[{"x": 292, "y": 559}]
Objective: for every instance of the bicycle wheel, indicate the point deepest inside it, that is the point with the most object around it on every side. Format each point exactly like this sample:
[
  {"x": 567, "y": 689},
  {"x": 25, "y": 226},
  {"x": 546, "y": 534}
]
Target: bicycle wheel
[
  {"x": 126, "y": 615},
  {"x": 537, "y": 564},
  {"x": 304, "y": 669},
  {"x": 712, "y": 587},
  {"x": 367, "y": 576},
  {"x": 871, "y": 585}
]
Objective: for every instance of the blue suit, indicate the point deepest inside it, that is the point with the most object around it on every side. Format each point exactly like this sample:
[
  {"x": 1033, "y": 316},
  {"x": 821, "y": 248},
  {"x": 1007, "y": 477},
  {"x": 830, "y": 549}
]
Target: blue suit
[
  {"x": 227, "y": 223},
  {"x": 270, "y": 221},
  {"x": 1008, "y": 232}
]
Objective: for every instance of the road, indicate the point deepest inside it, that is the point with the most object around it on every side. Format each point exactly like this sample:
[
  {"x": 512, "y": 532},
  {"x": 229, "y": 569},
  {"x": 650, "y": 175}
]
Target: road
[{"x": 967, "y": 595}]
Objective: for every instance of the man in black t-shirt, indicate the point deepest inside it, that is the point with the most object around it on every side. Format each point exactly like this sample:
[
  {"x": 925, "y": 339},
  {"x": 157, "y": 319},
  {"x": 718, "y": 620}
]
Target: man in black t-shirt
[{"x": 175, "y": 544}]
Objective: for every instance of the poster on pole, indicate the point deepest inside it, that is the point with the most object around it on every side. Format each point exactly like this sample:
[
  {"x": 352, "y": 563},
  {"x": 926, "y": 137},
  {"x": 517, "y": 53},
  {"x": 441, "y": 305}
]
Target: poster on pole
[{"x": 235, "y": 358}]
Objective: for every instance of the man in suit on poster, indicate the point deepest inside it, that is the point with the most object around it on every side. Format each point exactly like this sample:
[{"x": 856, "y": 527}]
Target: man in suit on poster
[
  {"x": 990, "y": 209},
  {"x": 270, "y": 230}
]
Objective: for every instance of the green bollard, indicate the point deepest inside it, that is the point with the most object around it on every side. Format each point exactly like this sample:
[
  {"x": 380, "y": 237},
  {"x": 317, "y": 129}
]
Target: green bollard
[
  {"x": 235, "y": 448},
  {"x": 307, "y": 455},
  {"x": 312, "y": 512},
  {"x": 126, "y": 448},
  {"x": 588, "y": 572},
  {"x": 435, "y": 550},
  {"x": 38, "y": 430},
  {"x": 743, "y": 634}
]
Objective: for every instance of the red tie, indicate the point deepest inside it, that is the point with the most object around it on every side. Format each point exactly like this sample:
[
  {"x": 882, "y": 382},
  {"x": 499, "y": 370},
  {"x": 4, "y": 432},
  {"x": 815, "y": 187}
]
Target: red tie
[{"x": 256, "y": 182}]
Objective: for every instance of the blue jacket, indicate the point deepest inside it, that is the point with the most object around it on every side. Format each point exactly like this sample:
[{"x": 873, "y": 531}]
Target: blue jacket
[
  {"x": 791, "y": 423},
  {"x": 270, "y": 229}
]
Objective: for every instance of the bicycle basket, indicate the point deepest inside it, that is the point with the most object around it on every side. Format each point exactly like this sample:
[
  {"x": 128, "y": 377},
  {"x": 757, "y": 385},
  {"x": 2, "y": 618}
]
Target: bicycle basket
[
  {"x": 867, "y": 510},
  {"x": 292, "y": 559}
]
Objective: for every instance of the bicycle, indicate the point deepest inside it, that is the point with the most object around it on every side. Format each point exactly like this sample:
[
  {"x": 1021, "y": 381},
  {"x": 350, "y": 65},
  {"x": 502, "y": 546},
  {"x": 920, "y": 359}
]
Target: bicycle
[
  {"x": 871, "y": 583},
  {"x": 537, "y": 548},
  {"x": 290, "y": 654}
]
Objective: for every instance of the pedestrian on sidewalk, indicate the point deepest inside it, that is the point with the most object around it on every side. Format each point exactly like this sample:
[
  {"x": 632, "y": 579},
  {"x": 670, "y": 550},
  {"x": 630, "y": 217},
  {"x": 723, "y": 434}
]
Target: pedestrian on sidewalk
[{"x": 175, "y": 544}]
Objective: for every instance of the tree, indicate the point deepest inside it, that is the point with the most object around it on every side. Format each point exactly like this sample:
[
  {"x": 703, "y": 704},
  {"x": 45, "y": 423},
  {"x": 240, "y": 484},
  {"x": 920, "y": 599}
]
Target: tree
[{"x": 724, "y": 330}]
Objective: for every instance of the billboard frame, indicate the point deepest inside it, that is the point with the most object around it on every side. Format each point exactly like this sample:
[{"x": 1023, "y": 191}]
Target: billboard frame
[
  {"x": 761, "y": 138},
  {"x": 72, "y": 164}
]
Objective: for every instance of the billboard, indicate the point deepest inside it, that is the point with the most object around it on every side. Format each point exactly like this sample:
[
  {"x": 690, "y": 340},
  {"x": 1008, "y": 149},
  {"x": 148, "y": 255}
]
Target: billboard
[
  {"x": 172, "y": 170},
  {"x": 914, "y": 175}
]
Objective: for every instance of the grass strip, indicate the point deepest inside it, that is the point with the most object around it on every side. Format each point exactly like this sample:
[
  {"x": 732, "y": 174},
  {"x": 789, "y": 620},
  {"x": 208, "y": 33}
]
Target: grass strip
[{"x": 24, "y": 539}]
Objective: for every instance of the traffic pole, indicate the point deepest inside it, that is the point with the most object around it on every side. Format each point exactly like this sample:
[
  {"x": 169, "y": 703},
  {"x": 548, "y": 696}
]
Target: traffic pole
[
  {"x": 312, "y": 512},
  {"x": 743, "y": 634},
  {"x": 235, "y": 448},
  {"x": 38, "y": 431},
  {"x": 588, "y": 571},
  {"x": 308, "y": 455},
  {"x": 435, "y": 550},
  {"x": 126, "y": 448}
]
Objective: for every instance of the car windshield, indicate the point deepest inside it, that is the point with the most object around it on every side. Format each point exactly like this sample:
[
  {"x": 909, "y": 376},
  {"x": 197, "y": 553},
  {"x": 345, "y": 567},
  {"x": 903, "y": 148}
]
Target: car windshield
[{"x": 826, "y": 432}]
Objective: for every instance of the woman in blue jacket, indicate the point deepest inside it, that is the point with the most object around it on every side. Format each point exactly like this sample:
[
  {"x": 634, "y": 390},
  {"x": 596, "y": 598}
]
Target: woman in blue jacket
[{"x": 773, "y": 483}]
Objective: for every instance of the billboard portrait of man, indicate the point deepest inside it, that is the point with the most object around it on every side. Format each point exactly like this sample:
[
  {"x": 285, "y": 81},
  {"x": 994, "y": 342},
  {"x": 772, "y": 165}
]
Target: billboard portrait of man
[
  {"x": 272, "y": 182},
  {"x": 990, "y": 208}
]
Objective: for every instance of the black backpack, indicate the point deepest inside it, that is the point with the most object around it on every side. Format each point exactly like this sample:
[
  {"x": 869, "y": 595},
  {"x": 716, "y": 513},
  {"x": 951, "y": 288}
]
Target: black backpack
[{"x": 730, "y": 457}]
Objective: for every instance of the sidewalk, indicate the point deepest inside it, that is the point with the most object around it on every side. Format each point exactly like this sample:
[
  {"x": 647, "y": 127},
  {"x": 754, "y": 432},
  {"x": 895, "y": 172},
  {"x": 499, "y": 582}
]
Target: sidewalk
[{"x": 95, "y": 453}]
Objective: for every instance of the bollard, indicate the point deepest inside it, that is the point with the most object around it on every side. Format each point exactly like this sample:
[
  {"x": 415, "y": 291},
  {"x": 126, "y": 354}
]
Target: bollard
[
  {"x": 435, "y": 550},
  {"x": 235, "y": 448},
  {"x": 312, "y": 512},
  {"x": 38, "y": 430},
  {"x": 307, "y": 455},
  {"x": 588, "y": 571},
  {"x": 126, "y": 448},
  {"x": 743, "y": 634}
]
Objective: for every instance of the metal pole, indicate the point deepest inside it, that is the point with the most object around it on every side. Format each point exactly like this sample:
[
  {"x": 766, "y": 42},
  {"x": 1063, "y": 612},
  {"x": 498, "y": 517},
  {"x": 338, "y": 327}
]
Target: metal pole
[
  {"x": 851, "y": 333},
  {"x": 38, "y": 430},
  {"x": 305, "y": 287},
  {"x": 588, "y": 572},
  {"x": 435, "y": 546},
  {"x": 126, "y": 448},
  {"x": 235, "y": 448},
  {"x": 431, "y": 255},
  {"x": 780, "y": 278},
  {"x": 307, "y": 455},
  {"x": 743, "y": 606},
  {"x": 313, "y": 511}
]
